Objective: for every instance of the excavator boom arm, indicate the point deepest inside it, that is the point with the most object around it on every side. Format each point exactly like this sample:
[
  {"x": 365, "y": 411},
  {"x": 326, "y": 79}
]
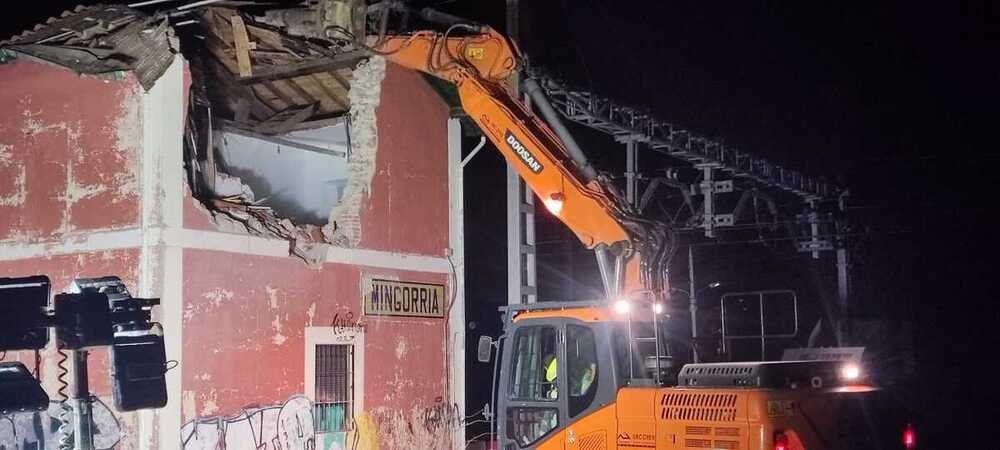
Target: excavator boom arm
[{"x": 479, "y": 66}]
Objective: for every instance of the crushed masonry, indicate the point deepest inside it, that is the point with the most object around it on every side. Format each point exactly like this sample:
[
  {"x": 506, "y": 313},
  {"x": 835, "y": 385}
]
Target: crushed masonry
[
  {"x": 238, "y": 212},
  {"x": 344, "y": 227}
]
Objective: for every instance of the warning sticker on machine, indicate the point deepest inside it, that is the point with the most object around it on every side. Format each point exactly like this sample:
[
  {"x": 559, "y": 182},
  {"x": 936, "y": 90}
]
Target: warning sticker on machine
[
  {"x": 777, "y": 408},
  {"x": 636, "y": 440}
]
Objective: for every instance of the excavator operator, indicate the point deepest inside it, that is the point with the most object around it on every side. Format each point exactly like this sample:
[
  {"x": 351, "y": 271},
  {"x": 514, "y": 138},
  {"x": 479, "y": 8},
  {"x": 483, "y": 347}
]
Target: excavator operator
[
  {"x": 585, "y": 373},
  {"x": 550, "y": 363}
]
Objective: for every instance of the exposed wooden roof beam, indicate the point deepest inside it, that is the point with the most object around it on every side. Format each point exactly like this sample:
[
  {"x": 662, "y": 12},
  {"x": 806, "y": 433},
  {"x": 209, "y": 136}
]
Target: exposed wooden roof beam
[{"x": 269, "y": 73}]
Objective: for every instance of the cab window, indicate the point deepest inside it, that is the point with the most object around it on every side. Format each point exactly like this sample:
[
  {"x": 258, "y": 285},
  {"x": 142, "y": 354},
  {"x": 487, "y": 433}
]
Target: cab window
[
  {"x": 581, "y": 358},
  {"x": 643, "y": 353},
  {"x": 535, "y": 377},
  {"x": 528, "y": 425}
]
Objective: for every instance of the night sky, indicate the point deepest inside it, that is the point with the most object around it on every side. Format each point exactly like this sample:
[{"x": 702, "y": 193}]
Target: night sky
[{"x": 889, "y": 98}]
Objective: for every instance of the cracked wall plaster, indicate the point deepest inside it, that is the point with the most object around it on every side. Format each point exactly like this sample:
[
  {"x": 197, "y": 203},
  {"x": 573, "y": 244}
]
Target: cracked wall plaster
[{"x": 344, "y": 226}]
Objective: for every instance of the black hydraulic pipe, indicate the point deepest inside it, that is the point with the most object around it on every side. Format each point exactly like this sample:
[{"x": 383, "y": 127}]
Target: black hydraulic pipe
[
  {"x": 434, "y": 16},
  {"x": 534, "y": 91}
]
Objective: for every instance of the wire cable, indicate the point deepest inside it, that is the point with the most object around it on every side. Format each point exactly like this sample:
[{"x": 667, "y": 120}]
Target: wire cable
[
  {"x": 61, "y": 372},
  {"x": 65, "y": 430}
]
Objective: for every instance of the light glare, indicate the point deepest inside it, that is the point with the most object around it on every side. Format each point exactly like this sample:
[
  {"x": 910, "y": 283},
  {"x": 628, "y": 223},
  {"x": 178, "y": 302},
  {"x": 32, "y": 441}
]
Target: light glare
[
  {"x": 850, "y": 372},
  {"x": 554, "y": 206},
  {"x": 554, "y": 203},
  {"x": 909, "y": 437},
  {"x": 657, "y": 308},
  {"x": 622, "y": 306}
]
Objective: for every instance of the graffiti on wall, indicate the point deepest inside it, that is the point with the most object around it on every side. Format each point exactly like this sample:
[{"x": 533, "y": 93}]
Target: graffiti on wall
[
  {"x": 421, "y": 427},
  {"x": 442, "y": 416},
  {"x": 288, "y": 426},
  {"x": 291, "y": 426},
  {"x": 40, "y": 430},
  {"x": 348, "y": 323}
]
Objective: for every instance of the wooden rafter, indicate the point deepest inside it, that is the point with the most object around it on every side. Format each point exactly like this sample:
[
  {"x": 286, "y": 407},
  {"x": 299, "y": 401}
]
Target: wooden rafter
[
  {"x": 327, "y": 64},
  {"x": 266, "y": 67}
]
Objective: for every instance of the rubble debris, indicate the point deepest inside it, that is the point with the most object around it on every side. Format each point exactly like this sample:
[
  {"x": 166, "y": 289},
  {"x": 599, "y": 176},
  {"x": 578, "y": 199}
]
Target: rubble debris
[
  {"x": 304, "y": 241},
  {"x": 309, "y": 242},
  {"x": 344, "y": 226},
  {"x": 101, "y": 40},
  {"x": 267, "y": 140},
  {"x": 322, "y": 19},
  {"x": 227, "y": 186}
]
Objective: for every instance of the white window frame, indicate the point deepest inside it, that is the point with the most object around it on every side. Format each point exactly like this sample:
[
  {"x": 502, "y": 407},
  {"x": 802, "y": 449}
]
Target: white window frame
[{"x": 336, "y": 336}]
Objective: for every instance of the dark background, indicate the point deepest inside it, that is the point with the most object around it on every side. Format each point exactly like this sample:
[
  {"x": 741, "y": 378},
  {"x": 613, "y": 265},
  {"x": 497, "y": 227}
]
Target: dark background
[
  {"x": 891, "y": 99},
  {"x": 896, "y": 100}
]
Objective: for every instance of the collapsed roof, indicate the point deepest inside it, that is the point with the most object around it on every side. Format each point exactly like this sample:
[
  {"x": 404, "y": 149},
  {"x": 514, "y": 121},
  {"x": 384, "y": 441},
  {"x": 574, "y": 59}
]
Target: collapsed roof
[
  {"x": 260, "y": 97},
  {"x": 267, "y": 77},
  {"x": 101, "y": 40},
  {"x": 270, "y": 79}
]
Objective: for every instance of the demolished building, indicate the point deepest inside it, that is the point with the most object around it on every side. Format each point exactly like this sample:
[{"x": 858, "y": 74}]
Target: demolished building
[{"x": 295, "y": 206}]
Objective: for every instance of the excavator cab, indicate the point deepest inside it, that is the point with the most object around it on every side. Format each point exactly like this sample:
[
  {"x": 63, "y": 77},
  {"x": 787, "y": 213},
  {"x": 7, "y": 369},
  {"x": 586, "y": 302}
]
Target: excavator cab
[
  {"x": 563, "y": 361},
  {"x": 584, "y": 375}
]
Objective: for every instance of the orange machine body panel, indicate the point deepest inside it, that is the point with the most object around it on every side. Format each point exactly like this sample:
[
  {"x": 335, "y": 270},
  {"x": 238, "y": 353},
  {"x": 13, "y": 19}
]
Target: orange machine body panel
[
  {"x": 705, "y": 418},
  {"x": 702, "y": 418},
  {"x": 590, "y": 314},
  {"x": 582, "y": 314},
  {"x": 596, "y": 430},
  {"x": 489, "y": 53},
  {"x": 636, "y": 409}
]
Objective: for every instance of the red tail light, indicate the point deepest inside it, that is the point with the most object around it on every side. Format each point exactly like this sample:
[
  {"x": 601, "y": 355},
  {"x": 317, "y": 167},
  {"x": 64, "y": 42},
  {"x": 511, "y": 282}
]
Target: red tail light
[
  {"x": 909, "y": 437},
  {"x": 780, "y": 441}
]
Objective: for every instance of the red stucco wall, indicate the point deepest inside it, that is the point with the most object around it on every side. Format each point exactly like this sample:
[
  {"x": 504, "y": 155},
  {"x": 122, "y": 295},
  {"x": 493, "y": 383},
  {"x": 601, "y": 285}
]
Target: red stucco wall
[
  {"x": 244, "y": 318},
  {"x": 410, "y": 213},
  {"x": 68, "y": 152},
  {"x": 70, "y": 149},
  {"x": 69, "y": 166}
]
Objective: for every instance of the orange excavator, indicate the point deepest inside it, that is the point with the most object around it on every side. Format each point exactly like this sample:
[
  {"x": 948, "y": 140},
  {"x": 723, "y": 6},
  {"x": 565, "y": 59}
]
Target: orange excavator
[{"x": 599, "y": 375}]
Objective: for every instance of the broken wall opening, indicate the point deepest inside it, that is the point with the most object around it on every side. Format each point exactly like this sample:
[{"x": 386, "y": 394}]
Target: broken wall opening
[
  {"x": 281, "y": 136},
  {"x": 300, "y": 175}
]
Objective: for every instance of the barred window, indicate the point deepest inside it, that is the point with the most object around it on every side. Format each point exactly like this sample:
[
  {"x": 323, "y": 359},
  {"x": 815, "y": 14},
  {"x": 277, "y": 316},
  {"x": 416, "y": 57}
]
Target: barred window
[{"x": 334, "y": 396}]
